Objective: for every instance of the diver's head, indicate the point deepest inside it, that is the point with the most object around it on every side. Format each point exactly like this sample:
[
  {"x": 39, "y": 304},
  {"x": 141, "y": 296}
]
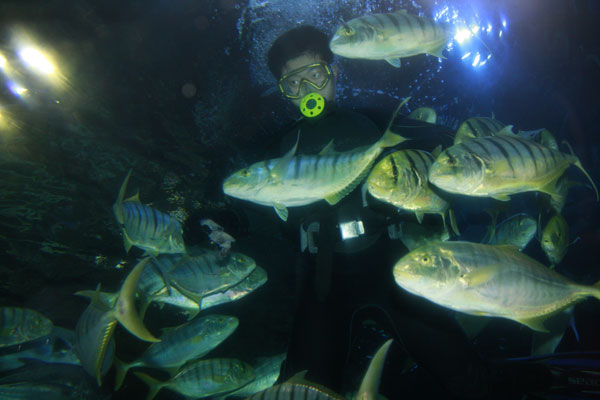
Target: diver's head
[{"x": 300, "y": 60}]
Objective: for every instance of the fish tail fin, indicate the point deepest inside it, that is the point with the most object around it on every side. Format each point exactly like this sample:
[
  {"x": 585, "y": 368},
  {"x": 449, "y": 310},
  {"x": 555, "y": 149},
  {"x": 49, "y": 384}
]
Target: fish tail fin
[
  {"x": 596, "y": 290},
  {"x": 125, "y": 311},
  {"x": 154, "y": 385},
  {"x": 116, "y": 207},
  {"x": 121, "y": 369},
  {"x": 577, "y": 163},
  {"x": 370, "y": 383}
]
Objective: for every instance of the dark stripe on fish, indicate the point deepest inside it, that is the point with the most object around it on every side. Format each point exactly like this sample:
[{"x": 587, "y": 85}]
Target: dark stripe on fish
[
  {"x": 528, "y": 147},
  {"x": 512, "y": 145},
  {"x": 379, "y": 20},
  {"x": 297, "y": 167},
  {"x": 394, "y": 170},
  {"x": 485, "y": 150},
  {"x": 502, "y": 150},
  {"x": 394, "y": 20}
]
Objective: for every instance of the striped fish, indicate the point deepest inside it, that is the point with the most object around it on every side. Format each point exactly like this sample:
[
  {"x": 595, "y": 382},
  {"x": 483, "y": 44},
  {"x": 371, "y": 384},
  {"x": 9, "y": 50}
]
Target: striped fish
[
  {"x": 21, "y": 325},
  {"x": 400, "y": 179},
  {"x": 266, "y": 373},
  {"x": 425, "y": 114},
  {"x": 145, "y": 227},
  {"x": 206, "y": 273},
  {"x": 298, "y": 388},
  {"x": 180, "y": 344},
  {"x": 498, "y": 166},
  {"x": 293, "y": 181},
  {"x": 203, "y": 378},
  {"x": 555, "y": 239},
  {"x": 478, "y": 127},
  {"x": 94, "y": 344},
  {"x": 390, "y": 37},
  {"x": 481, "y": 279},
  {"x": 541, "y": 136}
]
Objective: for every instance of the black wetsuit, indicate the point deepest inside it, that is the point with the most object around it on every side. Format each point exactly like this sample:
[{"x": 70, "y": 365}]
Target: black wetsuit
[{"x": 346, "y": 275}]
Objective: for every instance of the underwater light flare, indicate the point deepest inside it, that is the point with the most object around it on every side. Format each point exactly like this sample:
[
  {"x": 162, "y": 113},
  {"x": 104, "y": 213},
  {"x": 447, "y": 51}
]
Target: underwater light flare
[
  {"x": 466, "y": 55},
  {"x": 476, "y": 60},
  {"x": 462, "y": 35},
  {"x": 2, "y": 61},
  {"x": 36, "y": 60},
  {"x": 16, "y": 89}
]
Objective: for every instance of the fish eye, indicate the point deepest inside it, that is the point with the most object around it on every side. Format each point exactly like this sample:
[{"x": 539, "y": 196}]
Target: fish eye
[
  {"x": 246, "y": 172},
  {"x": 425, "y": 259},
  {"x": 451, "y": 161}
]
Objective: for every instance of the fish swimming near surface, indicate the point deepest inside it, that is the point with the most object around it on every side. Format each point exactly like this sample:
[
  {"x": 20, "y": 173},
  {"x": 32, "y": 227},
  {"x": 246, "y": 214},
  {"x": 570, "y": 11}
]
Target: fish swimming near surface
[
  {"x": 145, "y": 227},
  {"x": 498, "y": 166},
  {"x": 293, "y": 181},
  {"x": 298, "y": 388},
  {"x": 517, "y": 230},
  {"x": 203, "y": 378},
  {"x": 95, "y": 327},
  {"x": 390, "y": 37},
  {"x": 425, "y": 114},
  {"x": 555, "y": 239},
  {"x": 20, "y": 325},
  {"x": 400, "y": 178},
  {"x": 486, "y": 280},
  {"x": 479, "y": 127},
  {"x": 181, "y": 344}
]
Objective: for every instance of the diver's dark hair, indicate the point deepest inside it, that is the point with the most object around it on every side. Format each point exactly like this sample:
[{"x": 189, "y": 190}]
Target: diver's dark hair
[{"x": 294, "y": 43}]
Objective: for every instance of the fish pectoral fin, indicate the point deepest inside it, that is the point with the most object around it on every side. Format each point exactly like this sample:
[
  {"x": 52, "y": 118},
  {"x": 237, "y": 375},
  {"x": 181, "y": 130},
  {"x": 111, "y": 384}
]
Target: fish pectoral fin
[
  {"x": 479, "y": 276},
  {"x": 134, "y": 199},
  {"x": 419, "y": 216},
  {"x": 394, "y": 62},
  {"x": 370, "y": 382},
  {"x": 127, "y": 241},
  {"x": 281, "y": 211},
  {"x": 501, "y": 197},
  {"x": 535, "y": 323}
]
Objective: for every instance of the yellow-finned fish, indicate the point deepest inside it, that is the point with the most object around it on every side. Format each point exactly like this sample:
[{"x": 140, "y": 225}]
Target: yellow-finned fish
[
  {"x": 95, "y": 328},
  {"x": 498, "y": 166},
  {"x": 555, "y": 239},
  {"x": 390, "y": 37},
  {"x": 478, "y": 127},
  {"x": 293, "y": 181},
  {"x": 481, "y": 279},
  {"x": 400, "y": 178},
  {"x": 425, "y": 114},
  {"x": 145, "y": 227},
  {"x": 542, "y": 136}
]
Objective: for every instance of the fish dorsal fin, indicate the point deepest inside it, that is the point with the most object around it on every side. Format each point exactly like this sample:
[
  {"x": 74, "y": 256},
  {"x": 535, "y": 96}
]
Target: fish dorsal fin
[
  {"x": 403, "y": 11},
  {"x": 370, "y": 382},
  {"x": 125, "y": 311},
  {"x": 298, "y": 378},
  {"x": 134, "y": 199},
  {"x": 395, "y": 113},
  {"x": 507, "y": 131},
  {"x": 394, "y": 62},
  {"x": 279, "y": 169},
  {"x": 436, "y": 152},
  {"x": 117, "y": 206},
  {"x": 328, "y": 149}
]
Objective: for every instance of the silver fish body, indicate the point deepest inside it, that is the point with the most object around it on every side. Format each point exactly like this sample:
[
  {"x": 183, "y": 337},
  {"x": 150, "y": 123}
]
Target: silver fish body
[
  {"x": 477, "y": 127},
  {"x": 517, "y": 230},
  {"x": 488, "y": 280},
  {"x": 555, "y": 239}
]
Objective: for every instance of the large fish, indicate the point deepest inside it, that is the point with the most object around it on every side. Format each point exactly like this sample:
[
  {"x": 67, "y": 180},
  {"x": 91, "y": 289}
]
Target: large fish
[
  {"x": 487, "y": 280},
  {"x": 203, "y": 378},
  {"x": 145, "y": 227},
  {"x": 293, "y": 180},
  {"x": 478, "y": 127},
  {"x": 178, "y": 345},
  {"x": 95, "y": 327},
  {"x": 20, "y": 325},
  {"x": 498, "y": 166},
  {"x": 555, "y": 239},
  {"x": 266, "y": 373},
  {"x": 390, "y": 37},
  {"x": 298, "y": 388},
  {"x": 400, "y": 179}
]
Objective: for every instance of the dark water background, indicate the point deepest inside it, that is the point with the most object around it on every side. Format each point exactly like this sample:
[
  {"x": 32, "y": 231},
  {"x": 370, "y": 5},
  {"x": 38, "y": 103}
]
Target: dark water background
[{"x": 180, "y": 92}]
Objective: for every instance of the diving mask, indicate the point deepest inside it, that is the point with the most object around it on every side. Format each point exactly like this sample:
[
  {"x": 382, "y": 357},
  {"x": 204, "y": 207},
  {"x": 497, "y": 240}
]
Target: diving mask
[{"x": 316, "y": 75}]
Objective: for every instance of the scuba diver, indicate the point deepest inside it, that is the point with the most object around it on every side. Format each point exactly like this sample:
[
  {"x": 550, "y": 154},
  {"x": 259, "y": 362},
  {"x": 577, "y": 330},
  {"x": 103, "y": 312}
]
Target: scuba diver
[{"x": 343, "y": 272}]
